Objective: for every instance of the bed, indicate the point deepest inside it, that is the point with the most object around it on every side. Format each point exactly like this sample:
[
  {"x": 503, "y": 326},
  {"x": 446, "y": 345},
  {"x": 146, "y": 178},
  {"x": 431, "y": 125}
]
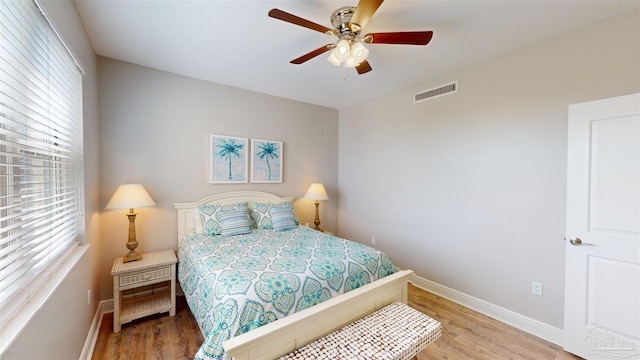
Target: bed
[{"x": 250, "y": 307}]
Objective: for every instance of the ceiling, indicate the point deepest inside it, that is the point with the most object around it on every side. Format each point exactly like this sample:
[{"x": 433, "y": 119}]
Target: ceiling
[{"x": 235, "y": 43}]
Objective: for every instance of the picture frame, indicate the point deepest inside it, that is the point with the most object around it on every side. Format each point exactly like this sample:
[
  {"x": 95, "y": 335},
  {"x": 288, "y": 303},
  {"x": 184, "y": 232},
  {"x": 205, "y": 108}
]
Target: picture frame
[
  {"x": 229, "y": 159},
  {"x": 266, "y": 161}
]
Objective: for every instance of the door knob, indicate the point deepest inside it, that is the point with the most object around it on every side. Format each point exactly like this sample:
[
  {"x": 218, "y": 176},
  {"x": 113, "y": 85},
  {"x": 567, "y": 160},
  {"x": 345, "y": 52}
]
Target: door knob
[{"x": 577, "y": 242}]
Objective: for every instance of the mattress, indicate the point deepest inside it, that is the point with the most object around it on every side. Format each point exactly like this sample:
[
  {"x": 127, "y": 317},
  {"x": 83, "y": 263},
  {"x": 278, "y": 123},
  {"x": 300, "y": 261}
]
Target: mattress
[{"x": 237, "y": 283}]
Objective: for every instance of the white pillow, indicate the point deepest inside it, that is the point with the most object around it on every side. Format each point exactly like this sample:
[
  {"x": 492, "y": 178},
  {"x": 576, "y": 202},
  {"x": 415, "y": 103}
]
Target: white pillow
[{"x": 196, "y": 224}]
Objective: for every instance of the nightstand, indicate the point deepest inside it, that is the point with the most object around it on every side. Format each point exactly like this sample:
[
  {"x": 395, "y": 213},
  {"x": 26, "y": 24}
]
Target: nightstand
[{"x": 154, "y": 268}]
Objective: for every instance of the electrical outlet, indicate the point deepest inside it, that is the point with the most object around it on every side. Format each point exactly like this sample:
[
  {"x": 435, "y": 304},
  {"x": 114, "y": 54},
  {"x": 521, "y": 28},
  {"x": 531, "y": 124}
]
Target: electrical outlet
[
  {"x": 89, "y": 297},
  {"x": 536, "y": 288},
  {"x": 373, "y": 240}
]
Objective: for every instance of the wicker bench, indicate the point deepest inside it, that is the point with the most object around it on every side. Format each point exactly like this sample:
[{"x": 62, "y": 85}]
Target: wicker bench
[{"x": 395, "y": 332}]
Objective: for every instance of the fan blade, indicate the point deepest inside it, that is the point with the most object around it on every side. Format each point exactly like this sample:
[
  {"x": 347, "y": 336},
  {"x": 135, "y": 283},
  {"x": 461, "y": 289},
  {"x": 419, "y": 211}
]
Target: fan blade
[
  {"x": 405, "y": 38},
  {"x": 310, "y": 55},
  {"x": 284, "y": 16},
  {"x": 364, "y": 12},
  {"x": 363, "y": 68}
]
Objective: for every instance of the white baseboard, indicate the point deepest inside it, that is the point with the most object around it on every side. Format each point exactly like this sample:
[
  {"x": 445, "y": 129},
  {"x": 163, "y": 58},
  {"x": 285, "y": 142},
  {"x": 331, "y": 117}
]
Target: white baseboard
[
  {"x": 105, "y": 306},
  {"x": 524, "y": 323}
]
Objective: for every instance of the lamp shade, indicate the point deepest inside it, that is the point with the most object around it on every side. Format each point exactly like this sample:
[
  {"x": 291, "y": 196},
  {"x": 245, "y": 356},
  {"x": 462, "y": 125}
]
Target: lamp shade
[
  {"x": 359, "y": 52},
  {"x": 129, "y": 196},
  {"x": 351, "y": 62},
  {"x": 316, "y": 192},
  {"x": 333, "y": 59},
  {"x": 342, "y": 50}
]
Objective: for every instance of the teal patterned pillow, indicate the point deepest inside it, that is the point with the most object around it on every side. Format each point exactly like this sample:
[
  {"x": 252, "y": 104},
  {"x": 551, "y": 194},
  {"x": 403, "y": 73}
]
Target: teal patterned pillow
[
  {"x": 283, "y": 217},
  {"x": 260, "y": 212},
  {"x": 210, "y": 217},
  {"x": 235, "y": 222},
  {"x": 261, "y": 216}
]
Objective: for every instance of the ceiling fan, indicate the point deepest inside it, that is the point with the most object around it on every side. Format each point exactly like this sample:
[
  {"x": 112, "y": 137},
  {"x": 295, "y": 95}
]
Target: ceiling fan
[{"x": 347, "y": 23}]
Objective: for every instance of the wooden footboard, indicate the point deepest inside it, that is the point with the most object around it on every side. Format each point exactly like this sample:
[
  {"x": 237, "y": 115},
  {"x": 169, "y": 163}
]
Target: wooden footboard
[{"x": 294, "y": 331}]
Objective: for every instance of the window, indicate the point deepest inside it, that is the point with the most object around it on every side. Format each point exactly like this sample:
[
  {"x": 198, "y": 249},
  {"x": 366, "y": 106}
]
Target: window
[{"x": 41, "y": 187}]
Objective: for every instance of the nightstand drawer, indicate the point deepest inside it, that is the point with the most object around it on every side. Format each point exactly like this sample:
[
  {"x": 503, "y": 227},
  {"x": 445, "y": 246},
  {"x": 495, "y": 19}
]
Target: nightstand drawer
[{"x": 141, "y": 277}]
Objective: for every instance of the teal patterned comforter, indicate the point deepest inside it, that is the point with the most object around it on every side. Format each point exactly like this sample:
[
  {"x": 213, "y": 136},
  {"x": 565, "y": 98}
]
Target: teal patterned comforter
[{"x": 238, "y": 283}]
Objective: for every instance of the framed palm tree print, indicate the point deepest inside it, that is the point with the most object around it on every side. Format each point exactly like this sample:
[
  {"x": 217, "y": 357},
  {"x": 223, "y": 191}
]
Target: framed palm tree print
[
  {"x": 266, "y": 161},
  {"x": 229, "y": 159}
]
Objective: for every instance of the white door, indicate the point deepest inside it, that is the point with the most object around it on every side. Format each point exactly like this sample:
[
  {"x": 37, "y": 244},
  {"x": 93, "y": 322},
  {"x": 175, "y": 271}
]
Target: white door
[{"x": 602, "y": 253}]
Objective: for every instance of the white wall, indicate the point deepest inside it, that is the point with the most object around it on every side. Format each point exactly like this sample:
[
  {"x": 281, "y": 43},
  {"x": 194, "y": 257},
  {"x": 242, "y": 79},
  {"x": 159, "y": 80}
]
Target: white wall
[
  {"x": 154, "y": 130},
  {"x": 59, "y": 328},
  {"x": 468, "y": 190}
]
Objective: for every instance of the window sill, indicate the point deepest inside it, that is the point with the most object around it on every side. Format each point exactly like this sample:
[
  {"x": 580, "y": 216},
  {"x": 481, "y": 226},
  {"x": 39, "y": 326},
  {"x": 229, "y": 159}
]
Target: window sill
[{"x": 12, "y": 329}]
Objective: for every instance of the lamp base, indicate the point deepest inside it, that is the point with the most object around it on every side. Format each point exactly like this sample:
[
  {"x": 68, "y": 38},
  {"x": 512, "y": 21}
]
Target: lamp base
[
  {"x": 132, "y": 243},
  {"x": 316, "y": 222},
  {"x": 131, "y": 256}
]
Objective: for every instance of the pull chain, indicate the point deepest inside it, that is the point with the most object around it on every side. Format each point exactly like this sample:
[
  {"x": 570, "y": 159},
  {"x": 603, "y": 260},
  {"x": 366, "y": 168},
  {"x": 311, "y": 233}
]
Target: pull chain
[{"x": 344, "y": 73}]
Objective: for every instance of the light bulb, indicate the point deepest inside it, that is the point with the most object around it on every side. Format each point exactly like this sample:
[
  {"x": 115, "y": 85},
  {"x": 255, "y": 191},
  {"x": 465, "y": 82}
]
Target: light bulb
[
  {"x": 359, "y": 52},
  {"x": 333, "y": 59},
  {"x": 351, "y": 62},
  {"x": 342, "y": 50}
]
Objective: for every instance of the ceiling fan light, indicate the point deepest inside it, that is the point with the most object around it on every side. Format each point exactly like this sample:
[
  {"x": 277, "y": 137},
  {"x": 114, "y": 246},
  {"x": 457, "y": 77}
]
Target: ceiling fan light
[
  {"x": 351, "y": 62},
  {"x": 333, "y": 59},
  {"x": 359, "y": 52},
  {"x": 342, "y": 50}
]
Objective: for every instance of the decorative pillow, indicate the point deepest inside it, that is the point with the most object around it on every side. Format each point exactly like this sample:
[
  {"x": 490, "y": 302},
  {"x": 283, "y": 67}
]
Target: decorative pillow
[
  {"x": 210, "y": 217},
  {"x": 283, "y": 217},
  {"x": 261, "y": 215},
  {"x": 235, "y": 222}
]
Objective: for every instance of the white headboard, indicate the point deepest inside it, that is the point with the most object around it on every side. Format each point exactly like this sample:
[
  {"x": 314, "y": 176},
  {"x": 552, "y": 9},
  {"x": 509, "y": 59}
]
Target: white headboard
[{"x": 186, "y": 210}]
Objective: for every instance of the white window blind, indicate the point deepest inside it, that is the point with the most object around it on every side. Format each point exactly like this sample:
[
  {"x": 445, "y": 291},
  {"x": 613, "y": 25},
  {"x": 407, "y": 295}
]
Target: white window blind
[{"x": 40, "y": 153}]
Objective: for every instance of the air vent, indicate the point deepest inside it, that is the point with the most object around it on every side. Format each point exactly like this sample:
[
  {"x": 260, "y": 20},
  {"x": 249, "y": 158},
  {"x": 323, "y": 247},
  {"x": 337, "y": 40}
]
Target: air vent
[{"x": 436, "y": 92}]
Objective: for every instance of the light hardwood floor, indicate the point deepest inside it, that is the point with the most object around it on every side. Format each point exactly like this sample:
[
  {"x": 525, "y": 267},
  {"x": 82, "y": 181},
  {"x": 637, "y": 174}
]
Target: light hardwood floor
[{"x": 466, "y": 335}]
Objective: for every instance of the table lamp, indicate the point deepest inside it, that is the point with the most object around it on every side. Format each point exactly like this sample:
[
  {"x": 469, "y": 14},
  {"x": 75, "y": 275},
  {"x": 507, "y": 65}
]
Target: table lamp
[
  {"x": 130, "y": 196},
  {"x": 316, "y": 192}
]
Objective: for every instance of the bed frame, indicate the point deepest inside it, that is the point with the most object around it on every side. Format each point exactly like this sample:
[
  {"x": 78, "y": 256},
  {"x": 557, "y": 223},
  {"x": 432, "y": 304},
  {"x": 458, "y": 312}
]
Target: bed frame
[{"x": 296, "y": 330}]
